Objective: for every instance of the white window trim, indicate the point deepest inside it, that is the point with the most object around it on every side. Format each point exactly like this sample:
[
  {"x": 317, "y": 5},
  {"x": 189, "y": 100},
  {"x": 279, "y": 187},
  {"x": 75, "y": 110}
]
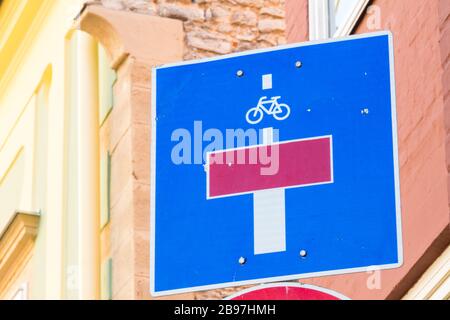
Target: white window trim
[
  {"x": 347, "y": 28},
  {"x": 319, "y": 22},
  {"x": 319, "y": 19},
  {"x": 434, "y": 284}
]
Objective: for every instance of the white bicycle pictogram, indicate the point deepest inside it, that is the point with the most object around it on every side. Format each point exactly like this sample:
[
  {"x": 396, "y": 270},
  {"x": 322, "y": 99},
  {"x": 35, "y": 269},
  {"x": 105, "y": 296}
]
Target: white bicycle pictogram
[{"x": 280, "y": 111}]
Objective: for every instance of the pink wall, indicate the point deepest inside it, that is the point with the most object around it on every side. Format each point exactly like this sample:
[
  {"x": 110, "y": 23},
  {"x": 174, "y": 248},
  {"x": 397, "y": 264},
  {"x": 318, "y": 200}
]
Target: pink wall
[{"x": 421, "y": 32}]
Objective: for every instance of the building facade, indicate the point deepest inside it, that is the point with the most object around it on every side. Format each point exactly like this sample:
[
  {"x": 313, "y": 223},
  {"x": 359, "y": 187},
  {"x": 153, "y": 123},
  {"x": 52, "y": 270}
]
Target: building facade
[{"x": 75, "y": 92}]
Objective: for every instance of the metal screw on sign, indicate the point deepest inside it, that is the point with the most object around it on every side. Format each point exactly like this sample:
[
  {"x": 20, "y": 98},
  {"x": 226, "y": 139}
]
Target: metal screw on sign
[
  {"x": 365, "y": 111},
  {"x": 240, "y": 73}
]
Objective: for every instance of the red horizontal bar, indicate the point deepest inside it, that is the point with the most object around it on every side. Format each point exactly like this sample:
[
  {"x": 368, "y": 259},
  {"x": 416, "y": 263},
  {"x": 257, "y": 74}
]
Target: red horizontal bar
[{"x": 281, "y": 165}]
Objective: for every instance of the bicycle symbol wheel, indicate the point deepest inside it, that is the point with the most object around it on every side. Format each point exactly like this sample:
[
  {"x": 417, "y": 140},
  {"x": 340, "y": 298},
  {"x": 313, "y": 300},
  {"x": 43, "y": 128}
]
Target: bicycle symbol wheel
[
  {"x": 254, "y": 115},
  {"x": 282, "y": 112}
]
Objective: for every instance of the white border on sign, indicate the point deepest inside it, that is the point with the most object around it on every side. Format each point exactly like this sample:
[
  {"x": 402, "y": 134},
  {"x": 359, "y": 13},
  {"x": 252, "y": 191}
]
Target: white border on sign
[
  {"x": 289, "y": 277},
  {"x": 330, "y": 137},
  {"x": 395, "y": 150},
  {"x": 289, "y": 284},
  {"x": 153, "y": 185}
]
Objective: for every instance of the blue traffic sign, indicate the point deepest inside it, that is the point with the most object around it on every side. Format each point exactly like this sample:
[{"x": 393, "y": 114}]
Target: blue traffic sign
[{"x": 275, "y": 164}]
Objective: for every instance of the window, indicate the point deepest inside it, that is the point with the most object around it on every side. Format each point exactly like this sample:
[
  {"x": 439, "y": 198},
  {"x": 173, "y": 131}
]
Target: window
[
  {"x": 334, "y": 18},
  {"x": 106, "y": 79},
  {"x": 41, "y": 144},
  {"x": 344, "y": 14}
]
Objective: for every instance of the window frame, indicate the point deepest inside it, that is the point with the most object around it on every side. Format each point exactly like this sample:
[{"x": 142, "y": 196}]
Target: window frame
[{"x": 320, "y": 19}]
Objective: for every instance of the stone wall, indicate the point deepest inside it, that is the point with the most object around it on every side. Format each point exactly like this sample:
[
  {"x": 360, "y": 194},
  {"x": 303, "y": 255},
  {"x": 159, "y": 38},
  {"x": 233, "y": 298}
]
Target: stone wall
[
  {"x": 217, "y": 26},
  {"x": 211, "y": 27}
]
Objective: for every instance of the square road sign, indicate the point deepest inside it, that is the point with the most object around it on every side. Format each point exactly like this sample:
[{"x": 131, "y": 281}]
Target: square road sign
[{"x": 275, "y": 164}]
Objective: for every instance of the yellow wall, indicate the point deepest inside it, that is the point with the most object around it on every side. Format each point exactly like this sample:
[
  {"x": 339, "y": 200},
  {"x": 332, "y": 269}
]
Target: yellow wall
[{"x": 33, "y": 114}]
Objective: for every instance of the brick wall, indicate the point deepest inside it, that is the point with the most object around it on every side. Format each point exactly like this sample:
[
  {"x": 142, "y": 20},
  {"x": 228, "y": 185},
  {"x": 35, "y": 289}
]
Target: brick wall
[
  {"x": 297, "y": 24},
  {"x": 217, "y": 26},
  {"x": 417, "y": 27},
  {"x": 421, "y": 31},
  {"x": 444, "y": 28}
]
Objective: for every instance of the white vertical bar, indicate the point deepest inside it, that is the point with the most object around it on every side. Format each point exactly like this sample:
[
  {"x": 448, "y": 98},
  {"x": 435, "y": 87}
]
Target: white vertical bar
[
  {"x": 269, "y": 221},
  {"x": 319, "y": 23},
  {"x": 269, "y": 215},
  {"x": 267, "y": 136},
  {"x": 267, "y": 81}
]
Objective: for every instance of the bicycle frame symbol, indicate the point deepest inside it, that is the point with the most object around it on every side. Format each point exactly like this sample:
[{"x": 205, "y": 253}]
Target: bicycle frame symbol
[{"x": 280, "y": 111}]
